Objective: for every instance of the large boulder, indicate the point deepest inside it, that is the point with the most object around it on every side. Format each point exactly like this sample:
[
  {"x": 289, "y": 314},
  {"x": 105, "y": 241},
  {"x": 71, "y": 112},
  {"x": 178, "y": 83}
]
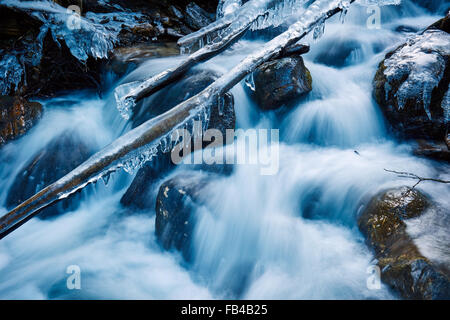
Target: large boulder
[
  {"x": 281, "y": 81},
  {"x": 17, "y": 116},
  {"x": 412, "y": 86},
  {"x": 403, "y": 267},
  {"x": 63, "y": 154},
  {"x": 139, "y": 194},
  {"x": 177, "y": 201}
]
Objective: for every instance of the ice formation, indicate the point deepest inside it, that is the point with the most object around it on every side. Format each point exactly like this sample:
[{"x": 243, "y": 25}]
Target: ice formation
[
  {"x": 422, "y": 61},
  {"x": 92, "y": 35},
  {"x": 226, "y": 7}
]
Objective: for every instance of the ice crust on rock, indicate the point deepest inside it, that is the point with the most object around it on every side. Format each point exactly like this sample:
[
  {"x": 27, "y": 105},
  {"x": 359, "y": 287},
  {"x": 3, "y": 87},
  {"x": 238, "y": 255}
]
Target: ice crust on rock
[{"x": 422, "y": 61}]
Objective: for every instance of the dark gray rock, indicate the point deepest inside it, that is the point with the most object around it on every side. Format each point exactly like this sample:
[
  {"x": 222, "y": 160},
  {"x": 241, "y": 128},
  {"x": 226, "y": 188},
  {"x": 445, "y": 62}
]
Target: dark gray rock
[
  {"x": 412, "y": 86},
  {"x": 63, "y": 154},
  {"x": 281, "y": 81},
  {"x": 188, "y": 86},
  {"x": 177, "y": 201}
]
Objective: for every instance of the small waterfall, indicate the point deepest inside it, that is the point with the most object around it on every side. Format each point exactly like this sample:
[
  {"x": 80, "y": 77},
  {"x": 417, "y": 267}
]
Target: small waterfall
[{"x": 292, "y": 235}]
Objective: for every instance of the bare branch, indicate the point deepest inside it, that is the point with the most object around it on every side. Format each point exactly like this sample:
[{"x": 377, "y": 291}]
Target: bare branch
[{"x": 415, "y": 176}]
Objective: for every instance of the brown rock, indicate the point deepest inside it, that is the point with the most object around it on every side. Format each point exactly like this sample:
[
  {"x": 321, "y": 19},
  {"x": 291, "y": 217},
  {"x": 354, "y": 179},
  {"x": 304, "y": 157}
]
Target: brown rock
[
  {"x": 403, "y": 267},
  {"x": 17, "y": 116}
]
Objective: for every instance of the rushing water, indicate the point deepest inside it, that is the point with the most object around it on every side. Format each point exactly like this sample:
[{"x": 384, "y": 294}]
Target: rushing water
[{"x": 292, "y": 235}]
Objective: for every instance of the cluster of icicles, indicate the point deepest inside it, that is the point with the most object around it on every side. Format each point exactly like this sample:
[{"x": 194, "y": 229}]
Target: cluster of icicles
[{"x": 93, "y": 35}]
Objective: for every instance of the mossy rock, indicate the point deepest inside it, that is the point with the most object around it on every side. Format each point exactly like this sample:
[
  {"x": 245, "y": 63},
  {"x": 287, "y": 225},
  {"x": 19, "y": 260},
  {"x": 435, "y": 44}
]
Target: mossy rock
[{"x": 403, "y": 267}]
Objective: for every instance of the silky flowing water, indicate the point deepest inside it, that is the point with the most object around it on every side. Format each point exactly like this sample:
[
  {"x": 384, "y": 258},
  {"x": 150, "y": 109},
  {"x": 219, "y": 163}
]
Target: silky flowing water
[{"x": 292, "y": 235}]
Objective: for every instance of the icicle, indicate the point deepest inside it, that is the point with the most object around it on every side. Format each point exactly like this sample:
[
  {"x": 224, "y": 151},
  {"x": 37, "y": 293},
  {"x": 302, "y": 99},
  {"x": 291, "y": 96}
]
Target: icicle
[
  {"x": 84, "y": 36},
  {"x": 319, "y": 30},
  {"x": 278, "y": 14},
  {"x": 344, "y": 6},
  {"x": 125, "y": 99},
  {"x": 11, "y": 72},
  {"x": 221, "y": 104},
  {"x": 250, "y": 82},
  {"x": 107, "y": 177}
]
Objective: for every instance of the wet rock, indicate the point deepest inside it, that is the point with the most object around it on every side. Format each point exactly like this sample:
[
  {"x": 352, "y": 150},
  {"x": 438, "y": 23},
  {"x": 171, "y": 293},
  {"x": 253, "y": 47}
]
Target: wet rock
[
  {"x": 176, "y": 204},
  {"x": 196, "y": 17},
  {"x": 296, "y": 50},
  {"x": 59, "y": 71},
  {"x": 15, "y": 24},
  {"x": 406, "y": 29},
  {"x": 403, "y": 267},
  {"x": 139, "y": 194},
  {"x": 188, "y": 86},
  {"x": 281, "y": 81},
  {"x": 412, "y": 86},
  {"x": 63, "y": 154},
  {"x": 127, "y": 58},
  {"x": 435, "y": 150},
  {"x": 443, "y": 24},
  {"x": 17, "y": 116}
]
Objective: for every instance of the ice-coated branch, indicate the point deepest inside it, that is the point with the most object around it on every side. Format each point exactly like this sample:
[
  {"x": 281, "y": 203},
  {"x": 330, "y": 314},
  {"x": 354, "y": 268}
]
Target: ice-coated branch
[
  {"x": 245, "y": 15},
  {"x": 140, "y": 144}
]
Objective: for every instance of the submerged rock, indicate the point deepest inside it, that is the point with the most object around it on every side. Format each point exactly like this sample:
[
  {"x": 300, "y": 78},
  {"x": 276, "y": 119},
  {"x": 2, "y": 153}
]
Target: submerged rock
[
  {"x": 126, "y": 59},
  {"x": 434, "y": 150},
  {"x": 339, "y": 52},
  {"x": 177, "y": 200},
  {"x": 403, "y": 267},
  {"x": 412, "y": 86},
  {"x": 188, "y": 86},
  {"x": 139, "y": 194},
  {"x": 63, "y": 154},
  {"x": 17, "y": 116},
  {"x": 281, "y": 81}
]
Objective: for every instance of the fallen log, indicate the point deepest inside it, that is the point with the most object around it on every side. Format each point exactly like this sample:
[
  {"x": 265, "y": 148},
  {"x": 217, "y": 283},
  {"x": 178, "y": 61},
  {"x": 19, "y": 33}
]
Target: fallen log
[{"x": 140, "y": 144}]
